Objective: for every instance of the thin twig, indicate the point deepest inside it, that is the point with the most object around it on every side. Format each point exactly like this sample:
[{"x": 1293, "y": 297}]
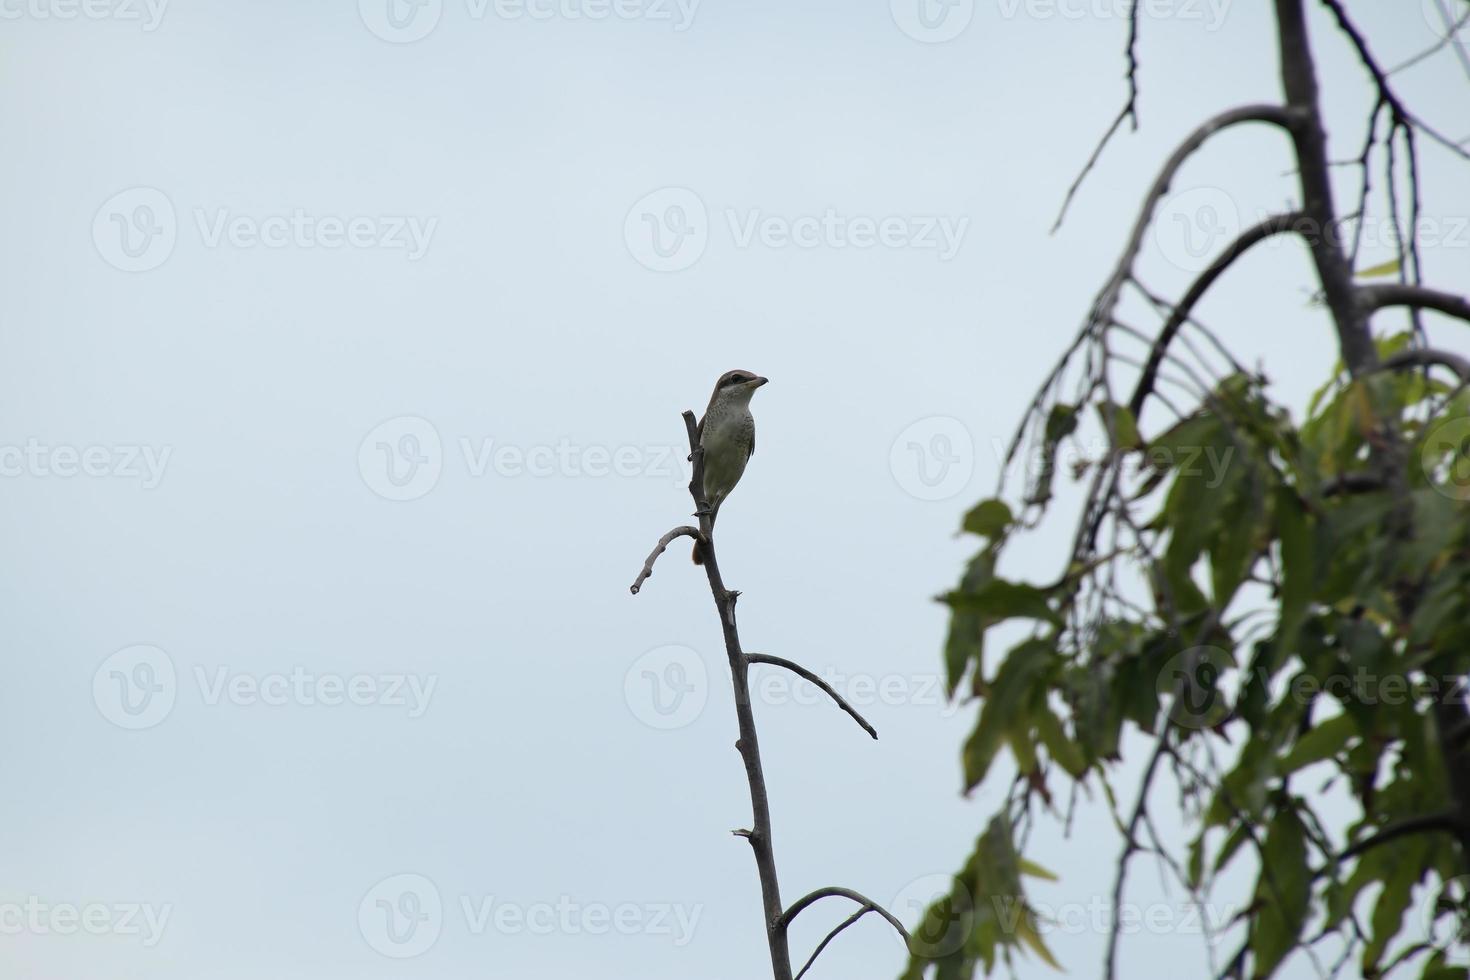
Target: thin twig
[
  {"x": 663, "y": 543},
  {"x": 833, "y": 935},
  {"x": 795, "y": 668}
]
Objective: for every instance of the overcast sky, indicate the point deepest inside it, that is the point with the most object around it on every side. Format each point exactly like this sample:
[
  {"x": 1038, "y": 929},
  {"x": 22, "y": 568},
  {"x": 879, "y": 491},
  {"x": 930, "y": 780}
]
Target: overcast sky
[{"x": 344, "y": 351}]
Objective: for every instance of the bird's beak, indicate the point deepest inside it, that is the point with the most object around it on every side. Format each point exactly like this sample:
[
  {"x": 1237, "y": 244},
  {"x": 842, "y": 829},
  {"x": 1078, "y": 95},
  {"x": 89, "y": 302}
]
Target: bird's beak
[{"x": 759, "y": 381}]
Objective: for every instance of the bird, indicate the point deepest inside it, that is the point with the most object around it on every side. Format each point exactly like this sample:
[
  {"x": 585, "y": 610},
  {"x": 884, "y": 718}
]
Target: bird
[{"x": 727, "y": 436}]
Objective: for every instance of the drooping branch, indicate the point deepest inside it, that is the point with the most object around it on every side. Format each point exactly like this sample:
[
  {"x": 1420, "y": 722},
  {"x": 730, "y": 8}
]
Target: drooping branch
[
  {"x": 1446, "y": 821},
  {"x": 802, "y": 903},
  {"x": 1419, "y": 297},
  {"x": 795, "y": 668},
  {"x": 1429, "y": 357},
  {"x": 1106, "y": 303},
  {"x": 1275, "y": 225},
  {"x": 663, "y": 543}
]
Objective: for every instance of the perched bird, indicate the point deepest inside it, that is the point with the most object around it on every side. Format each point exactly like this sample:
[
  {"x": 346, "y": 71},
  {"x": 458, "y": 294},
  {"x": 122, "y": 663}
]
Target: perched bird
[{"x": 727, "y": 436}]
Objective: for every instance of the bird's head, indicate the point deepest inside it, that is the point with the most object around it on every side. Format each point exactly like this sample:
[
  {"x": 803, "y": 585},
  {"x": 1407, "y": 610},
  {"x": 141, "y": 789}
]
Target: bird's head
[{"x": 738, "y": 386}]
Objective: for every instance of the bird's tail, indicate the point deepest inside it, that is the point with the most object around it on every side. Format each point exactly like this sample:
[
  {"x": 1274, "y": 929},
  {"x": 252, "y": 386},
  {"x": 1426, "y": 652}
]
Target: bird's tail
[{"x": 714, "y": 510}]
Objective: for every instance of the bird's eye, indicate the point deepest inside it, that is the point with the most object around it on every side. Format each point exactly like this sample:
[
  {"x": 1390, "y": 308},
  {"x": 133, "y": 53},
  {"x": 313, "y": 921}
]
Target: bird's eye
[{"x": 738, "y": 379}]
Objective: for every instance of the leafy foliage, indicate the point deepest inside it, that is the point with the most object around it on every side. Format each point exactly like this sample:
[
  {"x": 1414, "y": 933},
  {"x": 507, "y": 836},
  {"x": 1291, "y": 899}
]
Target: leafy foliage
[{"x": 1280, "y": 615}]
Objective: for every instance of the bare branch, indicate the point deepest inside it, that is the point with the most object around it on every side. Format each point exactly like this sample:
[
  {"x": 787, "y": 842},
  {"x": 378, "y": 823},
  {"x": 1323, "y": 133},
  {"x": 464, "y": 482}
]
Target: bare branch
[
  {"x": 833, "y": 935},
  {"x": 1128, "y": 112},
  {"x": 1445, "y": 820},
  {"x": 1428, "y": 357},
  {"x": 1380, "y": 78},
  {"x": 1107, "y": 300},
  {"x": 795, "y": 668},
  {"x": 800, "y": 904},
  {"x": 1275, "y": 225},
  {"x": 663, "y": 543},
  {"x": 1419, "y": 297}
]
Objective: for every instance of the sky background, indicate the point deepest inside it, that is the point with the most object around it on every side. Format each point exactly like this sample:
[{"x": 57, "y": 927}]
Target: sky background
[{"x": 344, "y": 351}]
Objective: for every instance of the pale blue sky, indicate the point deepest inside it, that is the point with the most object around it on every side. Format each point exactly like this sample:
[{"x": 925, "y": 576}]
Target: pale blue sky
[{"x": 494, "y": 294}]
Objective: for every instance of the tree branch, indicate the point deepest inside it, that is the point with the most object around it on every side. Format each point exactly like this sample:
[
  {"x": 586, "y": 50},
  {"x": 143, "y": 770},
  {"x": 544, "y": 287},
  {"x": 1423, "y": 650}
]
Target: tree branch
[
  {"x": 833, "y": 935},
  {"x": 1428, "y": 357},
  {"x": 795, "y": 668},
  {"x": 1445, "y": 820},
  {"x": 747, "y": 745},
  {"x": 1128, "y": 112},
  {"x": 1275, "y": 225},
  {"x": 1419, "y": 297},
  {"x": 785, "y": 919},
  {"x": 663, "y": 543},
  {"x": 1105, "y": 305}
]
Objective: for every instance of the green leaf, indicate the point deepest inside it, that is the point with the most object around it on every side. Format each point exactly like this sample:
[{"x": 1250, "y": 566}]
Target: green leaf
[
  {"x": 989, "y": 518},
  {"x": 1063, "y": 750},
  {"x": 1398, "y": 888},
  {"x": 1324, "y": 741},
  {"x": 1299, "y": 566},
  {"x": 1283, "y": 891},
  {"x": 1389, "y": 268},
  {"x": 1006, "y": 711},
  {"x": 1036, "y": 871},
  {"x": 1121, "y": 426}
]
